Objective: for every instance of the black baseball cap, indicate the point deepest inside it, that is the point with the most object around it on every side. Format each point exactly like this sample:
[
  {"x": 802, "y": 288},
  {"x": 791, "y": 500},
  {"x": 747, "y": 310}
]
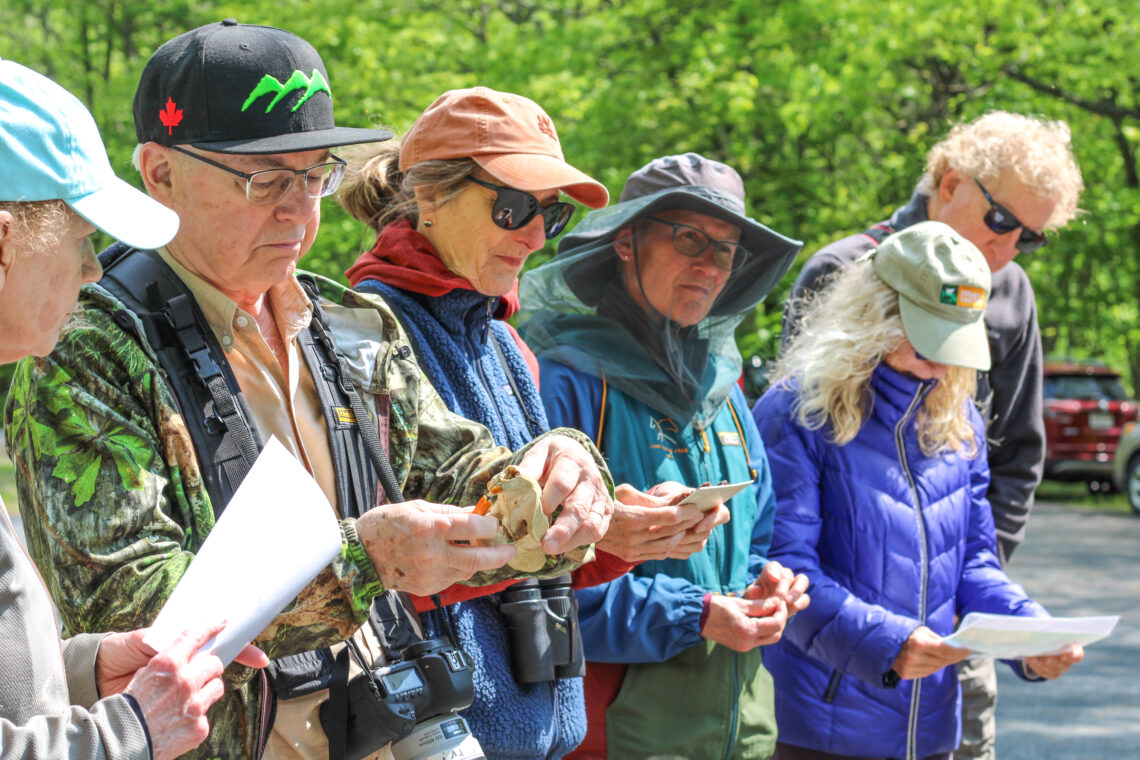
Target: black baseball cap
[{"x": 240, "y": 88}]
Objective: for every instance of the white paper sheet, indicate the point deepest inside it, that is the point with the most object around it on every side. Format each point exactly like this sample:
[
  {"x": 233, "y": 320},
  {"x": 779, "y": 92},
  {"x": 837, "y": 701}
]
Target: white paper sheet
[
  {"x": 276, "y": 534},
  {"x": 1009, "y": 638},
  {"x": 707, "y": 497}
]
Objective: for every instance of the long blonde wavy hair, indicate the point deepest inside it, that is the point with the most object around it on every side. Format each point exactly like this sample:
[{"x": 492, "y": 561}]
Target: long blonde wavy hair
[{"x": 847, "y": 331}]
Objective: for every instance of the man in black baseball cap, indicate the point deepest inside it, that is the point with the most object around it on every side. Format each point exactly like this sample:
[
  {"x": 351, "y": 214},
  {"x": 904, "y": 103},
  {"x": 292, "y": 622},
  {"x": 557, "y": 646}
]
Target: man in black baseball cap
[
  {"x": 188, "y": 358},
  {"x": 240, "y": 89}
]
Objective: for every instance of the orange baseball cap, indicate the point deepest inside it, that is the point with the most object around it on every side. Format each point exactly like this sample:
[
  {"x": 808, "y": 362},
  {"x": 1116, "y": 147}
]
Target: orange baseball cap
[{"x": 508, "y": 135}]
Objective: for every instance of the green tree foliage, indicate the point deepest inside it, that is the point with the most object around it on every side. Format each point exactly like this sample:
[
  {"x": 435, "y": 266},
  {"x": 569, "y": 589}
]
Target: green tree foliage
[{"x": 827, "y": 107}]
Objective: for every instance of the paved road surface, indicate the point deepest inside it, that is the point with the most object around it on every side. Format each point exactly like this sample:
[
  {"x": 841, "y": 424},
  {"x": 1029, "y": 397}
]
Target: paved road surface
[{"x": 1079, "y": 562}]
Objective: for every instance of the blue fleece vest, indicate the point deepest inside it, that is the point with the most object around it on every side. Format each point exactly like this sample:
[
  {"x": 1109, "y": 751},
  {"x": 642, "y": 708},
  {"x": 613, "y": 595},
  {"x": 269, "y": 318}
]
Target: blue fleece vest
[{"x": 451, "y": 337}]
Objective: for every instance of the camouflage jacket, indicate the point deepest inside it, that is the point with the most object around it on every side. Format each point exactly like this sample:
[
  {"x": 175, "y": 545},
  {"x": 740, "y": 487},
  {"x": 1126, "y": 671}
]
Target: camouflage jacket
[{"x": 115, "y": 508}]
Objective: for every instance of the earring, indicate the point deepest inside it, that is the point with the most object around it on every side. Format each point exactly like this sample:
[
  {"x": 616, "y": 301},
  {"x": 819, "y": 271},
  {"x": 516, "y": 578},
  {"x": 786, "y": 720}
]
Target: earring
[{"x": 427, "y": 222}]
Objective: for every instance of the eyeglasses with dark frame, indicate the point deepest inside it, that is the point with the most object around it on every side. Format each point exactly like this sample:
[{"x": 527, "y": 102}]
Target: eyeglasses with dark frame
[
  {"x": 267, "y": 186},
  {"x": 691, "y": 241},
  {"x": 1002, "y": 221},
  {"x": 515, "y": 208}
]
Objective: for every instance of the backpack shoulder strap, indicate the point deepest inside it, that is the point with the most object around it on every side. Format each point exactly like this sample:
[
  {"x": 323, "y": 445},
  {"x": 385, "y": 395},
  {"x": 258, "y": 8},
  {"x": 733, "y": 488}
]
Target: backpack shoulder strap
[{"x": 213, "y": 408}]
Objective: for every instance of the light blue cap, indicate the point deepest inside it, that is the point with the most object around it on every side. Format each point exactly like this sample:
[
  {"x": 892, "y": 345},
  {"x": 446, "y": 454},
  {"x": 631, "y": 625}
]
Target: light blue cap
[{"x": 50, "y": 149}]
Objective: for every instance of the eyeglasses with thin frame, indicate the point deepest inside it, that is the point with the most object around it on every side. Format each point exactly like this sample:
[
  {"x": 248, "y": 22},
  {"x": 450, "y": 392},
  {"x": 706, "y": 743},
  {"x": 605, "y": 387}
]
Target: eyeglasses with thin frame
[
  {"x": 267, "y": 186},
  {"x": 1002, "y": 221},
  {"x": 515, "y": 208},
  {"x": 691, "y": 241}
]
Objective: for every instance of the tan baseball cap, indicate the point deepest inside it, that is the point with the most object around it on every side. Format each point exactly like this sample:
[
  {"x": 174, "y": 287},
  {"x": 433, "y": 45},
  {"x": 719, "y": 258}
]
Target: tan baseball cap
[
  {"x": 508, "y": 135},
  {"x": 943, "y": 282}
]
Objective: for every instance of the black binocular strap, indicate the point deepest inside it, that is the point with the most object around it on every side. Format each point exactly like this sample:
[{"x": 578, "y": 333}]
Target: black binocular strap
[
  {"x": 338, "y": 369},
  {"x": 338, "y": 705}
]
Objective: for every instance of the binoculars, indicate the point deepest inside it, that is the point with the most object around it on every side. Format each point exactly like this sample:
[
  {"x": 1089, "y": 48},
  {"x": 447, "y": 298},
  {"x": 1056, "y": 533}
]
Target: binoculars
[{"x": 542, "y": 621}]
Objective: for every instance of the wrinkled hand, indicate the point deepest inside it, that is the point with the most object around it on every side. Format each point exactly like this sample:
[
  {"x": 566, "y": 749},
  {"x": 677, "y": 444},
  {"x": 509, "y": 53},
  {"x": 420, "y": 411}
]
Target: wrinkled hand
[
  {"x": 569, "y": 477},
  {"x": 121, "y": 654},
  {"x": 924, "y": 653},
  {"x": 670, "y": 490},
  {"x": 1054, "y": 666},
  {"x": 411, "y": 545},
  {"x": 778, "y": 581},
  {"x": 649, "y": 526},
  {"x": 175, "y": 689},
  {"x": 744, "y": 624}
]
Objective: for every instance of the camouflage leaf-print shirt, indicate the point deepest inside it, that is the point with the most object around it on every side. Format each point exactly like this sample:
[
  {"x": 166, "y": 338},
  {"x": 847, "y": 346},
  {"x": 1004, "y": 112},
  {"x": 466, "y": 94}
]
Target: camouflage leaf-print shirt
[{"x": 114, "y": 505}]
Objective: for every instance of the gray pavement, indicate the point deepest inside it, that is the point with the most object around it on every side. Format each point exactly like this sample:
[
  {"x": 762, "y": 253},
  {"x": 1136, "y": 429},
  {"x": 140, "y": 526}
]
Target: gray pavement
[{"x": 1078, "y": 562}]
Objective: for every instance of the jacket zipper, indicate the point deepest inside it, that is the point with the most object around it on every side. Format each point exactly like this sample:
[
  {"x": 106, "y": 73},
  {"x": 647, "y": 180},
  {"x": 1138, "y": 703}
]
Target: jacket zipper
[
  {"x": 263, "y": 723},
  {"x": 479, "y": 365},
  {"x": 900, "y": 444}
]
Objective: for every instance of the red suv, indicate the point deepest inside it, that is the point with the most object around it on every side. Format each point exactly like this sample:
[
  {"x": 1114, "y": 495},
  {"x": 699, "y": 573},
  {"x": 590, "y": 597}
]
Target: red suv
[{"x": 1086, "y": 405}]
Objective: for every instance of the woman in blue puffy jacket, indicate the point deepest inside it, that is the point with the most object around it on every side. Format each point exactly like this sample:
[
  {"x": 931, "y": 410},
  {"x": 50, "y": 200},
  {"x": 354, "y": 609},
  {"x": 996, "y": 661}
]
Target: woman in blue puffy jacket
[{"x": 878, "y": 462}]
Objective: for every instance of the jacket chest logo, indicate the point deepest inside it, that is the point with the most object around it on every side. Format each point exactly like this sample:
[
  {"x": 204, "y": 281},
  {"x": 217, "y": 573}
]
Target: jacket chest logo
[{"x": 667, "y": 435}]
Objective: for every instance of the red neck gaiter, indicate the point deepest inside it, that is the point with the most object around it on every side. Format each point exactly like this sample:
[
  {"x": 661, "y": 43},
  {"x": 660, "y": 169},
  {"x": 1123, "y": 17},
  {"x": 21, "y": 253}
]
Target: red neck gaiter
[{"x": 405, "y": 259}]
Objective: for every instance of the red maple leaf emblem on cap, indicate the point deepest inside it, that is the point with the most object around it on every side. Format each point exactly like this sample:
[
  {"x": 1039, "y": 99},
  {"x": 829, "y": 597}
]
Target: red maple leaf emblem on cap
[{"x": 170, "y": 116}]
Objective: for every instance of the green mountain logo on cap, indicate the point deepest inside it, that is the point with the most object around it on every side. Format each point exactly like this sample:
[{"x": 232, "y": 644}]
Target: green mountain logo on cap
[
  {"x": 298, "y": 81},
  {"x": 949, "y": 294}
]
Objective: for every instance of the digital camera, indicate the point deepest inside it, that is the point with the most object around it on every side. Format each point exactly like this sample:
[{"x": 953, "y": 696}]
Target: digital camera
[{"x": 433, "y": 678}]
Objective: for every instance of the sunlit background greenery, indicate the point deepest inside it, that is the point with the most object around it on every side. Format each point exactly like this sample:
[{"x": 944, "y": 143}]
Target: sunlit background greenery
[{"x": 826, "y": 107}]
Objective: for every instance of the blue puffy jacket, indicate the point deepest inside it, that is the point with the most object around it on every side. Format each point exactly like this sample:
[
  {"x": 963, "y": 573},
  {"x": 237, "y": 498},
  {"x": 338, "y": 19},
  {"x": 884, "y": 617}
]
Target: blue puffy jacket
[{"x": 891, "y": 539}]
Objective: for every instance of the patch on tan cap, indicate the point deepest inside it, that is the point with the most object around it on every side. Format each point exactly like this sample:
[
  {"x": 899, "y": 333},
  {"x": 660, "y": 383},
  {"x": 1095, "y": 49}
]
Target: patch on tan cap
[
  {"x": 546, "y": 127},
  {"x": 963, "y": 295}
]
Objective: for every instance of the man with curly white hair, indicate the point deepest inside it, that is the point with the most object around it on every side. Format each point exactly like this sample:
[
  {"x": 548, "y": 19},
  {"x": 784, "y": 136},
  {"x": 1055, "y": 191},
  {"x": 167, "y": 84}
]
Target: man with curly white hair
[{"x": 1001, "y": 181}]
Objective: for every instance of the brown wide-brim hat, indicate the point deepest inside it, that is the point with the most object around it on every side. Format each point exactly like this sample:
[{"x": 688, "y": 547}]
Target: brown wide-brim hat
[
  {"x": 687, "y": 182},
  {"x": 508, "y": 135}
]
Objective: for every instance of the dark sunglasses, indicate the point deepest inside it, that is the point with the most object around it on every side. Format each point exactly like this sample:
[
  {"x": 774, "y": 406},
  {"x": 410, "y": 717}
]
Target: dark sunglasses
[
  {"x": 691, "y": 241},
  {"x": 515, "y": 208},
  {"x": 1002, "y": 221}
]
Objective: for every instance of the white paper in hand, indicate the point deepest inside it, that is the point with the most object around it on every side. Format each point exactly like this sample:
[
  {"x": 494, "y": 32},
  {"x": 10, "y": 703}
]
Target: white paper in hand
[
  {"x": 276, "y": 534},
  {"x": 708, "y": 497},
  {"x": 1009, "y": 637}
]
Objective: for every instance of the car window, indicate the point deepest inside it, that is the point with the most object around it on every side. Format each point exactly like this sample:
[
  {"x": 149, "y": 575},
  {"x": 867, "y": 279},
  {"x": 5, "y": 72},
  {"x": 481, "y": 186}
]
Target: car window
[{"x": 1085, "y": 387}]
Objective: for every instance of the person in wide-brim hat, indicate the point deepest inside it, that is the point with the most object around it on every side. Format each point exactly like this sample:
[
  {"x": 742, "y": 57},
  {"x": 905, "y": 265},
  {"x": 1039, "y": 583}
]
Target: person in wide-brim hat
[{"x": 633, "y": 323}]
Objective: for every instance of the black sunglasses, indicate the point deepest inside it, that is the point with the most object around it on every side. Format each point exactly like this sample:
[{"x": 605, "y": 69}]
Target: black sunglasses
[
  {"x": 1002, "y": 221},
  {"x": 515, "y": 208}
]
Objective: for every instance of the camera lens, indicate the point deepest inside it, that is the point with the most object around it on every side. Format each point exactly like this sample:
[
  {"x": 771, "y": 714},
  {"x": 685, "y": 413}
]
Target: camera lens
[{"x": 446, "y": 737}]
